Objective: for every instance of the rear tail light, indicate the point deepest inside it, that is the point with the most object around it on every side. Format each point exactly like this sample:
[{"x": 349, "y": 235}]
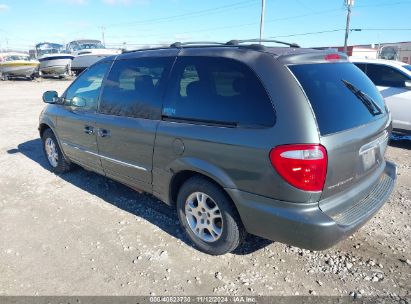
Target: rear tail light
[{"x": 303, "y": 166}]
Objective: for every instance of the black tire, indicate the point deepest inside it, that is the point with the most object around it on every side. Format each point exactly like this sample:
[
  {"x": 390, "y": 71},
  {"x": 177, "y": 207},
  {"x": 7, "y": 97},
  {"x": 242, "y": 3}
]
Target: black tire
[
  {"x": 232, "y": 231},
  {"x": 63, "y": 164}
]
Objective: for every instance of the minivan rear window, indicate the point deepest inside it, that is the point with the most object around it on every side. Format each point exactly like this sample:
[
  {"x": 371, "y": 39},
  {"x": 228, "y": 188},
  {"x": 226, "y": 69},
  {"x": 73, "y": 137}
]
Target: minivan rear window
[{"x": 341, "y": 95}]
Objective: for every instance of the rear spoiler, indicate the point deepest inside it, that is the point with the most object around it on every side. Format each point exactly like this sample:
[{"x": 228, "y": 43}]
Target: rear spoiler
[{"x": 314, "y": 57}]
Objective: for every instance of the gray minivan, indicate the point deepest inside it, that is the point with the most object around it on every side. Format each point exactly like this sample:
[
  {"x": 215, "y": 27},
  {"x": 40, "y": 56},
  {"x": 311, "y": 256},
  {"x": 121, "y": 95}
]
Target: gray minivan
[{"x": 282, "y": 142}]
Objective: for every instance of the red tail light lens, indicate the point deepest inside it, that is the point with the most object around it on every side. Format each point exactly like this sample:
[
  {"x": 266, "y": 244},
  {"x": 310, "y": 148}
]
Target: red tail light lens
[
  {"x": 332, "y": 57},
  {"x": 303, "y": 166}
]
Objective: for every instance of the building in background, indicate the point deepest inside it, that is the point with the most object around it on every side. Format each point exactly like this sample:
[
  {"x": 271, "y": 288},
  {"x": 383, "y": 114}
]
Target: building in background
[
  {"x": 358, "y": 51},
  {"x": 400, "y": 51},
  {"x": 361, "y": 52}
]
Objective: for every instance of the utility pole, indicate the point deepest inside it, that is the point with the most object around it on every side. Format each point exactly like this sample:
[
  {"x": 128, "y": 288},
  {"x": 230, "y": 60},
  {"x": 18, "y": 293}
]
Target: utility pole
[
  {"x": 348, "y": 4},
  {"x": 262, "y": 20},
  {"x": 102, "y": 35}
]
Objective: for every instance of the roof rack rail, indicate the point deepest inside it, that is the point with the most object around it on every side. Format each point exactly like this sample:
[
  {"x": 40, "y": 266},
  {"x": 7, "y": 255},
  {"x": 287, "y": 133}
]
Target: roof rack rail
[
  {"x": 237, "y": 42},
  {"x": 145, "y": 49},
  {"x": 181, "y": 44}
]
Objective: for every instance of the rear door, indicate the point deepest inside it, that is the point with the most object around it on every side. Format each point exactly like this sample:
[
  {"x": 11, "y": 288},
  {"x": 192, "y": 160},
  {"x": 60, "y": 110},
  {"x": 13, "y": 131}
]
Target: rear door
[
  {"x": 352, "y": 121},
  {"x": 129, "y": 113}
]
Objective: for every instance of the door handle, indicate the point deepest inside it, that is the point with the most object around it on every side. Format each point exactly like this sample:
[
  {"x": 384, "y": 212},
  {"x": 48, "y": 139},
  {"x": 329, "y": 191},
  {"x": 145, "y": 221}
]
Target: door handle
[
  {"x": 88, "y": 130},
  {"x": 103, "y": 133}
]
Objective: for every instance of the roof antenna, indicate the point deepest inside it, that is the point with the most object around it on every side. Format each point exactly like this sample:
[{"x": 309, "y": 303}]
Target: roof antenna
[{"x": 262, "y": 20}]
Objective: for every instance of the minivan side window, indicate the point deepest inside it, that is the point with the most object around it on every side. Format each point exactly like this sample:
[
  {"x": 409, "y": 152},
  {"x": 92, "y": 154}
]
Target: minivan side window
[
  {"x": 217, "y": 90},
  {"x": 86, "y": 88},
  {"x": 133, "y": 87},
  {"x": 383, "y": 75}
]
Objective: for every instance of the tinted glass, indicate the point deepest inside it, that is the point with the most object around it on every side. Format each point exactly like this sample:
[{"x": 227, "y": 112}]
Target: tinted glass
[
  {"x": 361, "y": 66},
  {"x": 341, "y": 96},
  {"x": 383, "y": 75},
  {"x": 218, "y": 90},
  {"x": 408, "y": 67},
  {"x": 133, "y": 88},
  {"x": 87, "y": 86},
  {"x": 190, "y": 75}
]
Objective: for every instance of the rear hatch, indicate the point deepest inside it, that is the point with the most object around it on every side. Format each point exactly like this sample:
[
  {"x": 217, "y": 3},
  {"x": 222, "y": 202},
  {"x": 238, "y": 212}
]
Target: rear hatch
[{"x": 353, "y": 124}]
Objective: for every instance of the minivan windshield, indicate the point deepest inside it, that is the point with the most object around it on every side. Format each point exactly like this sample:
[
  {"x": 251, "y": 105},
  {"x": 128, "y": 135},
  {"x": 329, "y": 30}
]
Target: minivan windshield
[{"x": 341, "y": 95}]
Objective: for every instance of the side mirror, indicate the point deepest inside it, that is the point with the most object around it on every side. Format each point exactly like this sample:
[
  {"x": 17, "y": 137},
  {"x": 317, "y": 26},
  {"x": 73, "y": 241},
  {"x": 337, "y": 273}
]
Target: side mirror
[
  {"x": 407, "y": 84},
  {"x": 50, "y": 97},
  {"x": 78, "y": 102}
]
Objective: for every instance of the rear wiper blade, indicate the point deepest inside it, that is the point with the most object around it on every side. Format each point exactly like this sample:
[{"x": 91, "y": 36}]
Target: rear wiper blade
[{"x": 369, "y": 103}]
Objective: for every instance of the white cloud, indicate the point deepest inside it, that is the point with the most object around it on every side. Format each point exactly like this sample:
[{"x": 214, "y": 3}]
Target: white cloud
[
  {"x": 182, "y": 37},
  {"x": 4, "y": 7},
  {"x": 115, "y": 2},
  {"x": 76, "y": 2},
  {"x": 125, "y": 2}
]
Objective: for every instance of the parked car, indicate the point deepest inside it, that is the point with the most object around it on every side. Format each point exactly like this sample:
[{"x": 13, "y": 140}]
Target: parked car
[
  {"x": 393, "y": 80},
  {"x": 282, "y": 142}
]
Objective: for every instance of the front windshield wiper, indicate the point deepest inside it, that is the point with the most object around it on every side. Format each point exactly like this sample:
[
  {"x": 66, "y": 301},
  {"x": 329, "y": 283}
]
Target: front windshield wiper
[{"x": 369, "y": 103}]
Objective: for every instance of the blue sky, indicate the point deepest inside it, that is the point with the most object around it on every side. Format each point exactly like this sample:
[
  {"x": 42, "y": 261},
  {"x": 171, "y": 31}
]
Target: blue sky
[{"x": 149, "y": 22}]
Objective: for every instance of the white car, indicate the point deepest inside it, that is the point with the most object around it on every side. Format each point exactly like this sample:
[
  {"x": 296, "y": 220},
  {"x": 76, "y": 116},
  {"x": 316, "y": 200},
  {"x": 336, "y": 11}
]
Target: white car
[{"x": 393, "y": 80}]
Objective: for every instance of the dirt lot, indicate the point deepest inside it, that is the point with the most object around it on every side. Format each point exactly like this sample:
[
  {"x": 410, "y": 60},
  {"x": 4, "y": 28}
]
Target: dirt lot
[{"x": 82, "y": 234}]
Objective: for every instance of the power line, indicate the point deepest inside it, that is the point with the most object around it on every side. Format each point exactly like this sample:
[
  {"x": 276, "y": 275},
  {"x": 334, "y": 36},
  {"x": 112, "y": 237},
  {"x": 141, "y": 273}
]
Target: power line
[
  {"x": 306, "y": 15},
  {"x": 237, "y": 5},
  {"x": 382, "y": 29},
  {"x": 277, "y": 36},
  {"x": 384, "y": 4},
  {"x": 232, "y": 6},
  {"x": 339, "y": 30},
  {"x": 215, "y": 10},
  {"x": 304, "y": 6},
  {"x": 308, "y": 33},
  {"x": 243, "y": 4},
  {"x": 250, "y": 23}
]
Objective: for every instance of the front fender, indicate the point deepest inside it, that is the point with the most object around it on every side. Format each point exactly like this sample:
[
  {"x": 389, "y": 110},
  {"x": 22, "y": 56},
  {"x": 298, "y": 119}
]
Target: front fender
[
  {"x": 46, "y": 122},
  {"x": 49, "y": 121}
]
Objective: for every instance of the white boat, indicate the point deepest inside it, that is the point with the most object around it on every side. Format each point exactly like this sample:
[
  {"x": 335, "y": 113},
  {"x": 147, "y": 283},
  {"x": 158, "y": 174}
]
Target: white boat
[
  {"x": 87, "y": 52},
  {"x": 54, "y": 60},
  {"x": 13, "y": 64}
]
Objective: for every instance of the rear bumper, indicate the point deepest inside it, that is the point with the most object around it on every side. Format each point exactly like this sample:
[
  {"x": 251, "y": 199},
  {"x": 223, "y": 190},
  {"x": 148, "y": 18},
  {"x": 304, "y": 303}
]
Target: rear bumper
[{"x": 306, "y": 225}]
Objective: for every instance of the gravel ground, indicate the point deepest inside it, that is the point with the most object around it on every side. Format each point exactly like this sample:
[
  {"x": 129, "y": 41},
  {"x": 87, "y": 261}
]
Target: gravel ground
[{"x": 83, "y": 234}]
